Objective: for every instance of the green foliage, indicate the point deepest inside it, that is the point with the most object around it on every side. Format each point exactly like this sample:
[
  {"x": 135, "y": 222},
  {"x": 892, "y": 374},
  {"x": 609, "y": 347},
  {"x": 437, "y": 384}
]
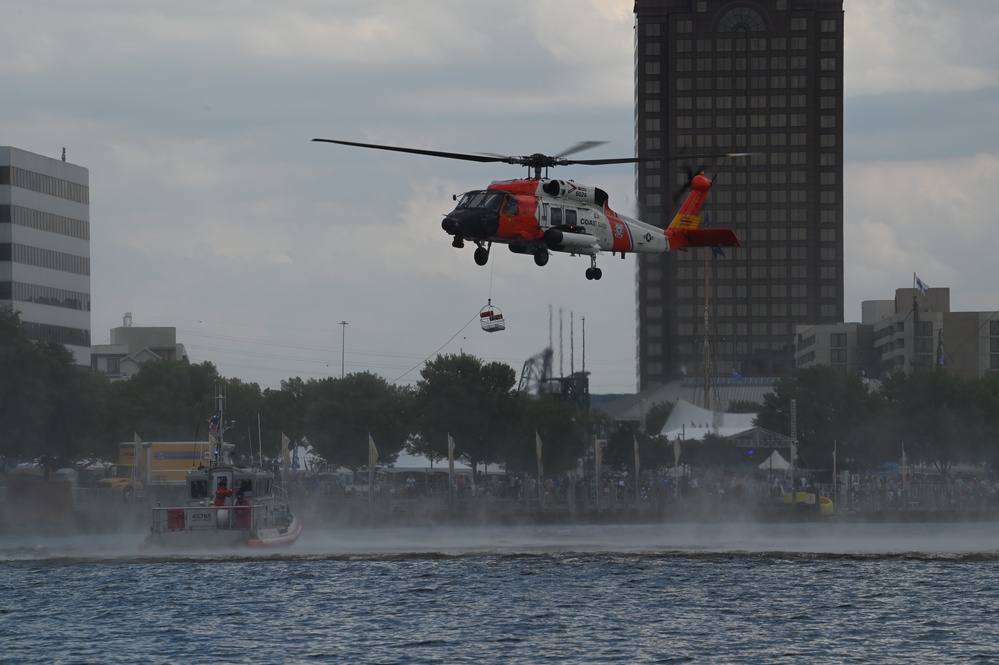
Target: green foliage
[
  {"x": 58, "y": 413},
  {"x": 166, "y": 400},
  {"x": 657, "y": 416},
  {"x": 473, "y": 403},
  {"x": 342, "y": 413},
  {"x": 49, "y": 408}
]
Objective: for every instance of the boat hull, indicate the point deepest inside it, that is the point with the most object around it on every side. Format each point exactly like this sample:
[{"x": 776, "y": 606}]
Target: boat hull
[{"x": 200, "y": 527}]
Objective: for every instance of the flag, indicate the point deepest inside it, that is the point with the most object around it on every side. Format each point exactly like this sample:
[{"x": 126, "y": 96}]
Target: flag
[
  {"x": 598, "y": 448},
  {"x": 372, "y": 461},
  {"x": 450, "y": 459},
  {"x": 717, "y": 251},
  {"x": 920, "y": 285},
  {"x": 285, "y": 457},
  {"x": 676, "y": 452},
  {"x": 736, "y": 375},
  {"x": 213, "y": 428}
]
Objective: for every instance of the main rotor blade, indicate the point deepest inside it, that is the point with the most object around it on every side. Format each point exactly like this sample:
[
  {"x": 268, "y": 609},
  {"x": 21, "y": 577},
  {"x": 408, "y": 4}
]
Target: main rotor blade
[
  {"x": 417, "y": 151},
  {"x": 580, "y": 147},
  {"x": 653, "y": 158}
]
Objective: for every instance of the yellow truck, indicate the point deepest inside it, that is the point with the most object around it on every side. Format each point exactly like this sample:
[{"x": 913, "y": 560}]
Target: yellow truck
[{"x": 158, "y": 464}]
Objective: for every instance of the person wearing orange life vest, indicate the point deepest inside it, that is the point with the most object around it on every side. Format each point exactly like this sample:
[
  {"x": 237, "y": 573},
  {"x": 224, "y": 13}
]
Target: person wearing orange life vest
[
  {"x": 242, "y": 510},
  {"x": 222, "y": 493}
]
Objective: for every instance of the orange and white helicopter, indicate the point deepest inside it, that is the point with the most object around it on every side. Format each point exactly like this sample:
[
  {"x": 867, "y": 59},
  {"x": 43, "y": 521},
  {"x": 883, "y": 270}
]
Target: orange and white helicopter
[{"x": 538, "y": 215}]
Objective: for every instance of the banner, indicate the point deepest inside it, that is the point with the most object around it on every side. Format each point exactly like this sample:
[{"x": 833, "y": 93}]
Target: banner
[
  {"x": 638, "y": 467},
  {"x": 285, "y": 454},
  {"x": 450, "y": 460},
  {"x": 140, "y": 461},
  {"x": 537, "y": 448},
  {"x": 372, "y": 463},
  {"x": 541, "y": 469}
]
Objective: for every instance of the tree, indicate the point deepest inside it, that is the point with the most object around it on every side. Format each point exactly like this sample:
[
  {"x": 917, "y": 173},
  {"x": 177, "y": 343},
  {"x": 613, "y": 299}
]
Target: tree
[
  {"x": 342, "y": 413},
  {"x": 48, "y": 405},
  {"x": 561, "y": 427},
  {"x": 832, "y": 408},
  {"x": 166, "y": 400},
  {"x": 656, "y": 417},
  {"x": 23, "y": 399},
  {"x": 937, "y": 416},
  {"x": 282, "y": 412},
  {"x": 473, "y": 403}
]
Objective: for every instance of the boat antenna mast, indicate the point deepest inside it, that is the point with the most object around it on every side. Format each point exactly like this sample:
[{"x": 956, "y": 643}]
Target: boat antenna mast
[{"x": 217, "y": 426}]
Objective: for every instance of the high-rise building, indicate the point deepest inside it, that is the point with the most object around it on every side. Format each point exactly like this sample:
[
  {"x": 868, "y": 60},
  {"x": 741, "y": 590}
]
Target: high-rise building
[
  {"x": 45, "y": 247},
  {"x": 759, "y": 76}
]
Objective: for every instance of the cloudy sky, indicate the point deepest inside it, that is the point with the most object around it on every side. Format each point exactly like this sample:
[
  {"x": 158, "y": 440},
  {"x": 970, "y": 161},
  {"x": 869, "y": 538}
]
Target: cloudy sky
[{"x": 213, "y": 212}]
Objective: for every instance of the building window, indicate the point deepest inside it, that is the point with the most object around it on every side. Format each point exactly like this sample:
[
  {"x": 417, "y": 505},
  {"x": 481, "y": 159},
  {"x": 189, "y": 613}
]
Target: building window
[{"x": 741, "y": 19}]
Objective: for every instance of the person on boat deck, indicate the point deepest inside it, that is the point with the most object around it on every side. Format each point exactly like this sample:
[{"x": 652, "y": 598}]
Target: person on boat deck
[
  {"x": 242, "y": 510},
  {"x": 222, "y": 493}
]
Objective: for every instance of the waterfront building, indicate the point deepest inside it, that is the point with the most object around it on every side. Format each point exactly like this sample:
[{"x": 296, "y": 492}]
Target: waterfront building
[
  {"x": 916, "y": 330},
  {"x": 759, "y": 76},
  {"x": 45, "y": 247},
  {"x": 133, "y": 345}
]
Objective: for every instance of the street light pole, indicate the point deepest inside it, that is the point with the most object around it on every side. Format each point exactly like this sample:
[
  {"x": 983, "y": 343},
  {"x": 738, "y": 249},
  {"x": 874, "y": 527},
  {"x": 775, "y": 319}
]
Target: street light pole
[{"x": 343, "y": 344}]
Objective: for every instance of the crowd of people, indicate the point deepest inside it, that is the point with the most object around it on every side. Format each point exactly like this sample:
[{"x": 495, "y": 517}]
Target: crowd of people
[{"x": 871, "y": 492}]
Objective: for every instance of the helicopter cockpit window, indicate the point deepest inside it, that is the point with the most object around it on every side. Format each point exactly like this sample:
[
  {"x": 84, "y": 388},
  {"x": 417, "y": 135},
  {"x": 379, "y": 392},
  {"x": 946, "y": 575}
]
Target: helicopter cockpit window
[
  {"x": 492, "y": 201},
  {"x": 487, "y": 199},
  {"x": 510, "y": 206}
]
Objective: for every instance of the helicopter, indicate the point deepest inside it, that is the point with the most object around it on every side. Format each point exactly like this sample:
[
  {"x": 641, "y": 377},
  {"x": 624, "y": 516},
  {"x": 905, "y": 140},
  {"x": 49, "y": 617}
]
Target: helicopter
[{"x": 538, "y": 215}]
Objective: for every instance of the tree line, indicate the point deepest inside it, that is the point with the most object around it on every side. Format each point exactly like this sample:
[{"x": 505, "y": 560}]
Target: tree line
[{"x": 59, "y": 414}]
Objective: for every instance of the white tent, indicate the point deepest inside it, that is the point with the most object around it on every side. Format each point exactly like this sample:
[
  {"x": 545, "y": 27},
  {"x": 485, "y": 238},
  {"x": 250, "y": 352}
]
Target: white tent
[
  {"x": 775, "y": 463},
  {"x": 407, "y": 463},
  {"x": 692, "y": 423}
]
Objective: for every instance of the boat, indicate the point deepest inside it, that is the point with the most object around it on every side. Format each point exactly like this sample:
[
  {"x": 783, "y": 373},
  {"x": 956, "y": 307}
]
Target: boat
[{"x": 225, "y": 505}]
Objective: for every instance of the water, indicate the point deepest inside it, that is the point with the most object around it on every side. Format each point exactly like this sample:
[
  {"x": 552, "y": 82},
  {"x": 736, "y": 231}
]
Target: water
[{"x": 846, "y": 593}]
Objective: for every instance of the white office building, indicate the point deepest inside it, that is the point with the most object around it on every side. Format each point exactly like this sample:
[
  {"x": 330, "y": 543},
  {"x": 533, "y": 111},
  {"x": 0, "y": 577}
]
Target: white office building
[{"x": 45, "y": 247}]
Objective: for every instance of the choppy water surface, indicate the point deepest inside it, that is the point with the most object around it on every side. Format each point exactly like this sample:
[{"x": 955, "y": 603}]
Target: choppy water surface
[{"x": 666, "y": 593}]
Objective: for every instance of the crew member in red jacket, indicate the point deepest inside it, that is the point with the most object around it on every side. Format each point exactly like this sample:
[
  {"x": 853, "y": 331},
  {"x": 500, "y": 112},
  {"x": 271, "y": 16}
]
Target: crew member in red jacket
[{"x": 222, "y": 493}]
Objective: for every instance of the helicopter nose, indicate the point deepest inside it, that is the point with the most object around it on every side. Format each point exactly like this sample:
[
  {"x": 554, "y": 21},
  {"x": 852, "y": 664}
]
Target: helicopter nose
[{"x": 471, "y": 223}]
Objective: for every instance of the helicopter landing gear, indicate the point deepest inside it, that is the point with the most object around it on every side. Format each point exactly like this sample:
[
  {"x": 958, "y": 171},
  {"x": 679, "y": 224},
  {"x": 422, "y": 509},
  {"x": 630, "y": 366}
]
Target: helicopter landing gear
[
  {"x": 541, "y": 257},
  {"x": 593, "y": 272},
  {"x": 481, "y": 255},
  {"x": 457, "y": 243}
]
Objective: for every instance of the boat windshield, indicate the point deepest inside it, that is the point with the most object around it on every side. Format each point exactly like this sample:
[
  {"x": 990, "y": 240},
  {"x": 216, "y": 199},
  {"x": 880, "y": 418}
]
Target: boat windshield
[{"x": 480, "y": 199}]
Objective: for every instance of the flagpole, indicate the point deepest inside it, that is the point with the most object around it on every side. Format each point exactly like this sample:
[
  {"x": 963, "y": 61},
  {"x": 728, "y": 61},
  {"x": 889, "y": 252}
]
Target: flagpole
[{"x": 260, "y": 442}]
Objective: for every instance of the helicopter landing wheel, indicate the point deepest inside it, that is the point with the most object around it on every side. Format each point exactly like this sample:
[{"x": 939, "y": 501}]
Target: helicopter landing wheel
[
  {"x": 458, "y": 242},
  {"x": 541, "y": 257},
  {"x": 594, "y": 273},
  {"x": 481, "y": 256}
]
